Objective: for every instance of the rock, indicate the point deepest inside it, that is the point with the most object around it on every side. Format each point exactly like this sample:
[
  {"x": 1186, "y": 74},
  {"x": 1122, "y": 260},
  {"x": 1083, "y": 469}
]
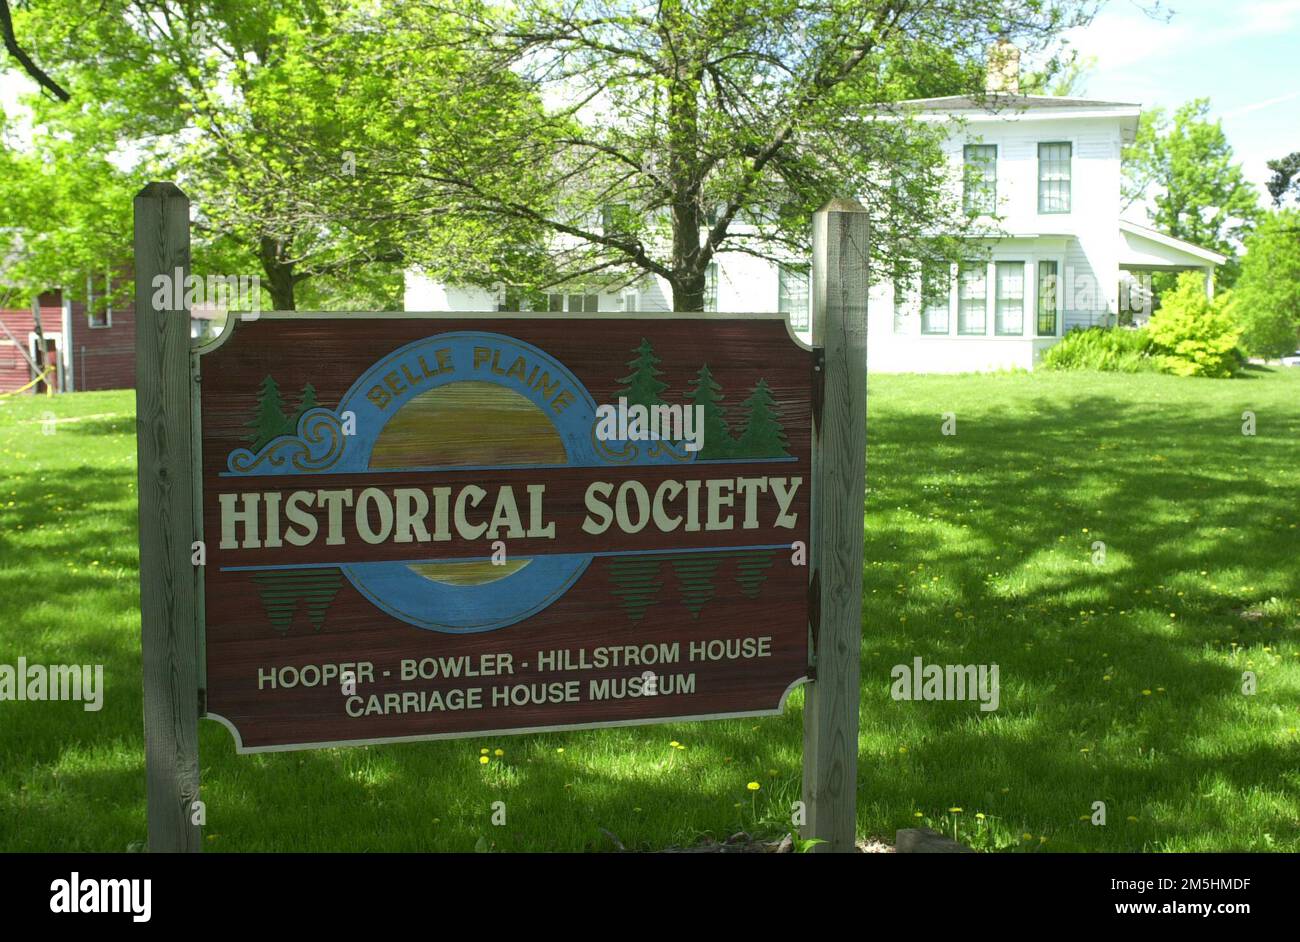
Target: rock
[{"x": 927, "y": 841}]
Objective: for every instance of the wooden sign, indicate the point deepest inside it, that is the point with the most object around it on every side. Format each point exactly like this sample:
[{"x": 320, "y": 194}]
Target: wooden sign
[
  {"x": 365, "y": 528},
  {"x": 441, "y": 525}
]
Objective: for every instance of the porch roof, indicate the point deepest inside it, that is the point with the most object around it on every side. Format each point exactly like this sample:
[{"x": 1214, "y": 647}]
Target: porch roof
[{"x": 1141, "y": 247}]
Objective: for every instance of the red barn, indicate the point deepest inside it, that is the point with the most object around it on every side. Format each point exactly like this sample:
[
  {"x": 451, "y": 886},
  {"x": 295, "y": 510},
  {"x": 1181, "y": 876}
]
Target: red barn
[{"x": 89, "y": 342}]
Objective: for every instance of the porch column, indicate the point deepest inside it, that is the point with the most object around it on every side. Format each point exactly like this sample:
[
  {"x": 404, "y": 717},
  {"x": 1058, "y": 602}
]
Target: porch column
[{"x": 1209, "y": 281}]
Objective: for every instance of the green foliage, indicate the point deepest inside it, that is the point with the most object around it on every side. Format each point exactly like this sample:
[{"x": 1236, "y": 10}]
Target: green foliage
[
  {"x": 1199, "y": 193},
  {"x": 1195, "y": 336},
  {"x": 1286, "y": 177},
  {"x": 1268, "y": 292},
  {"x": 720, "y": 124},
  {"x": 1110, "y": 349}
]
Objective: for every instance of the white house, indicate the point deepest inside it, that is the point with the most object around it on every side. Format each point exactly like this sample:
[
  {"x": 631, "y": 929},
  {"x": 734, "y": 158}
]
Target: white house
[{"x": 1041, "y": 173}]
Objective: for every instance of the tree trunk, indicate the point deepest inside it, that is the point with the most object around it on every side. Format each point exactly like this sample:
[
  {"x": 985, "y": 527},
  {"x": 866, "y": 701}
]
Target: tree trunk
[
  {"x": 688, "y": 292},
  {"x": 683, "y": 164},
  {"x": 279, "y": 274}
]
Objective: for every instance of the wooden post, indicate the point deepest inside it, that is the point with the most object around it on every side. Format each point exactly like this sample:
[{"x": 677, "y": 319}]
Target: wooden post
[
  {"x": 839, "y": 335},
  {"x": 168, "y": 642}
]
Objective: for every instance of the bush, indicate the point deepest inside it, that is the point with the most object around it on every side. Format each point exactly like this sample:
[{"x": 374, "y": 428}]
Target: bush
[
  {"x": 1193, "y": 335},
  {"x": 1112, "y": 349}
]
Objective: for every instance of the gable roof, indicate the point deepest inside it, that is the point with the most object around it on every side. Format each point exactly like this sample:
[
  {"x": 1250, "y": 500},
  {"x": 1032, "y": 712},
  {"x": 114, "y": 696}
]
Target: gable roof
[
  {"x": 1170, "y": 242},
  {"x": 997, "y": 102}
]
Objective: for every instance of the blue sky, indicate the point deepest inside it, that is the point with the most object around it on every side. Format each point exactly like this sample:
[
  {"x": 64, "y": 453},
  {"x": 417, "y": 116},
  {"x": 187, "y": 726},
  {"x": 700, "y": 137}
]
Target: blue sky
[{"x": 1244, "y": 55}]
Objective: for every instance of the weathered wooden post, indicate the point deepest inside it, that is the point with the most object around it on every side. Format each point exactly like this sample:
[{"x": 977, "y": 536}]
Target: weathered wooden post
[
  {"x": 168, "y": 637},
  {"x": 839, "y": 334}
]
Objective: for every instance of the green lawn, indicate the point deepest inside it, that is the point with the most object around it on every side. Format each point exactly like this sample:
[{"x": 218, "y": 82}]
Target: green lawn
[{"x": 1119, "y": 683}]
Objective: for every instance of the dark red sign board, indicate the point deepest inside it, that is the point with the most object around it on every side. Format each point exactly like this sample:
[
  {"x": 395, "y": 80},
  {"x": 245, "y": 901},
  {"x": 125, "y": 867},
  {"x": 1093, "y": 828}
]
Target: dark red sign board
[{"x": 426, "y": 526}]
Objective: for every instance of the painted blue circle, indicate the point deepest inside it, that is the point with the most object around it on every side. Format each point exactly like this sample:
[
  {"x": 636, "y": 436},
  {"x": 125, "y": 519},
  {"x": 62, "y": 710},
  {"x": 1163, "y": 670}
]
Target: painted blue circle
[{"x": 461, "y": 609}]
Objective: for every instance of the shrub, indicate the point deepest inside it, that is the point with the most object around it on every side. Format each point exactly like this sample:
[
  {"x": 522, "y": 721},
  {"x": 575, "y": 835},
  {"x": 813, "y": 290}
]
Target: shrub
[
  {"x": 1193, "y": 335},
  {"x": 1113, "y": 349}
]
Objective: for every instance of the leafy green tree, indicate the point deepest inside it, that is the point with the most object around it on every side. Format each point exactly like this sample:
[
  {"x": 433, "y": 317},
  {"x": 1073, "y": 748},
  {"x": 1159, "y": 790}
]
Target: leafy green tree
[
  {"x": 643, "y": 385},
  {"x": 1194, "y": 335},
  {"x": 677, "y": 130},
  {"x": 1286, "y": 177},
  {"x": 249, "y": 106},
  {"x": 764, "y": 436},
  {"x": 1268, "y": 291},
  {"x": 1184, "y": 168},
  {"x": 15, "y": 49},
  {"x": 707, "y": 393},
  {"x": 270, "y": 421}
]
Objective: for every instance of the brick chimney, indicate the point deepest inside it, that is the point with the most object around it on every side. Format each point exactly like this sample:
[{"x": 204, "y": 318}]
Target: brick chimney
[{"x": 1003, "y": 75}]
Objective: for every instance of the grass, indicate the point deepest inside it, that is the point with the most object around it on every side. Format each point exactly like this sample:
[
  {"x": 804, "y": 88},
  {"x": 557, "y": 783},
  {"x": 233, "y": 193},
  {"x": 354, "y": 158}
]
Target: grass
[{"x": 1120, "y": 682}]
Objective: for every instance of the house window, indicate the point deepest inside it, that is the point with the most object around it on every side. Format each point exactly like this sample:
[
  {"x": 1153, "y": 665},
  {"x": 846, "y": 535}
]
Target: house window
[
  {"x": 1047, "y": 299},
  {"x": 792, "y": 294},
  {"x": 711, "y": 287},
  {"x": 972, "y": 298},
  {"x": 935, "y": 286},
  {"x": 1009, "y": 319},
  {"x": 572, "y": 302},
  {"x": 99, "y": 312},
  {"x": 1054, "y": 177},
  {"x": 980, "y": 179}
]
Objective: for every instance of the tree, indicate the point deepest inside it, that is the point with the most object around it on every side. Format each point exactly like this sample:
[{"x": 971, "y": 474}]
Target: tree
[
  {"x": 676, "y": 130},
  {"x": 644, "y": 388},
  {"x": 1268, "y": 291},
  {"x": 248, "y": 105},
  {"x": 15, "y": 49},
  {"x": 764, "y": 436},
  {"x": 707, "y": 394},
  {"x": 270, "y": 422},
  {"x": 1286, "y": 177},
  {"x": 1184, "y": 167}
]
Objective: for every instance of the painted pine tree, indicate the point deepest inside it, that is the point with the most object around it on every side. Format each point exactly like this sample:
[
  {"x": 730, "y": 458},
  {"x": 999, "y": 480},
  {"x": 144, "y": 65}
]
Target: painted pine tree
[
  {"x": 764, "y": 436},
  {"x": 306, "y": 400},
  {"x": 270, "y": 420},
  {"x": 718, "y": 442},
  {"x": 643, "y": 386}
]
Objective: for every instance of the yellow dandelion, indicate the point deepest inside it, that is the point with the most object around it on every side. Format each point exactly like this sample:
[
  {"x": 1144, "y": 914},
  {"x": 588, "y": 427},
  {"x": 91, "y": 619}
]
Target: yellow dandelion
[
  {"x": 917, "y": 814},
  {"x": 499, "y": 753},
  {"x": 753, "y": 786},
  {"x": 955, "y": 810},
  {"x": 483, "y": 760},
  {"x": 1146, "y": 693},
  {"x": 482, "y": 752}
]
